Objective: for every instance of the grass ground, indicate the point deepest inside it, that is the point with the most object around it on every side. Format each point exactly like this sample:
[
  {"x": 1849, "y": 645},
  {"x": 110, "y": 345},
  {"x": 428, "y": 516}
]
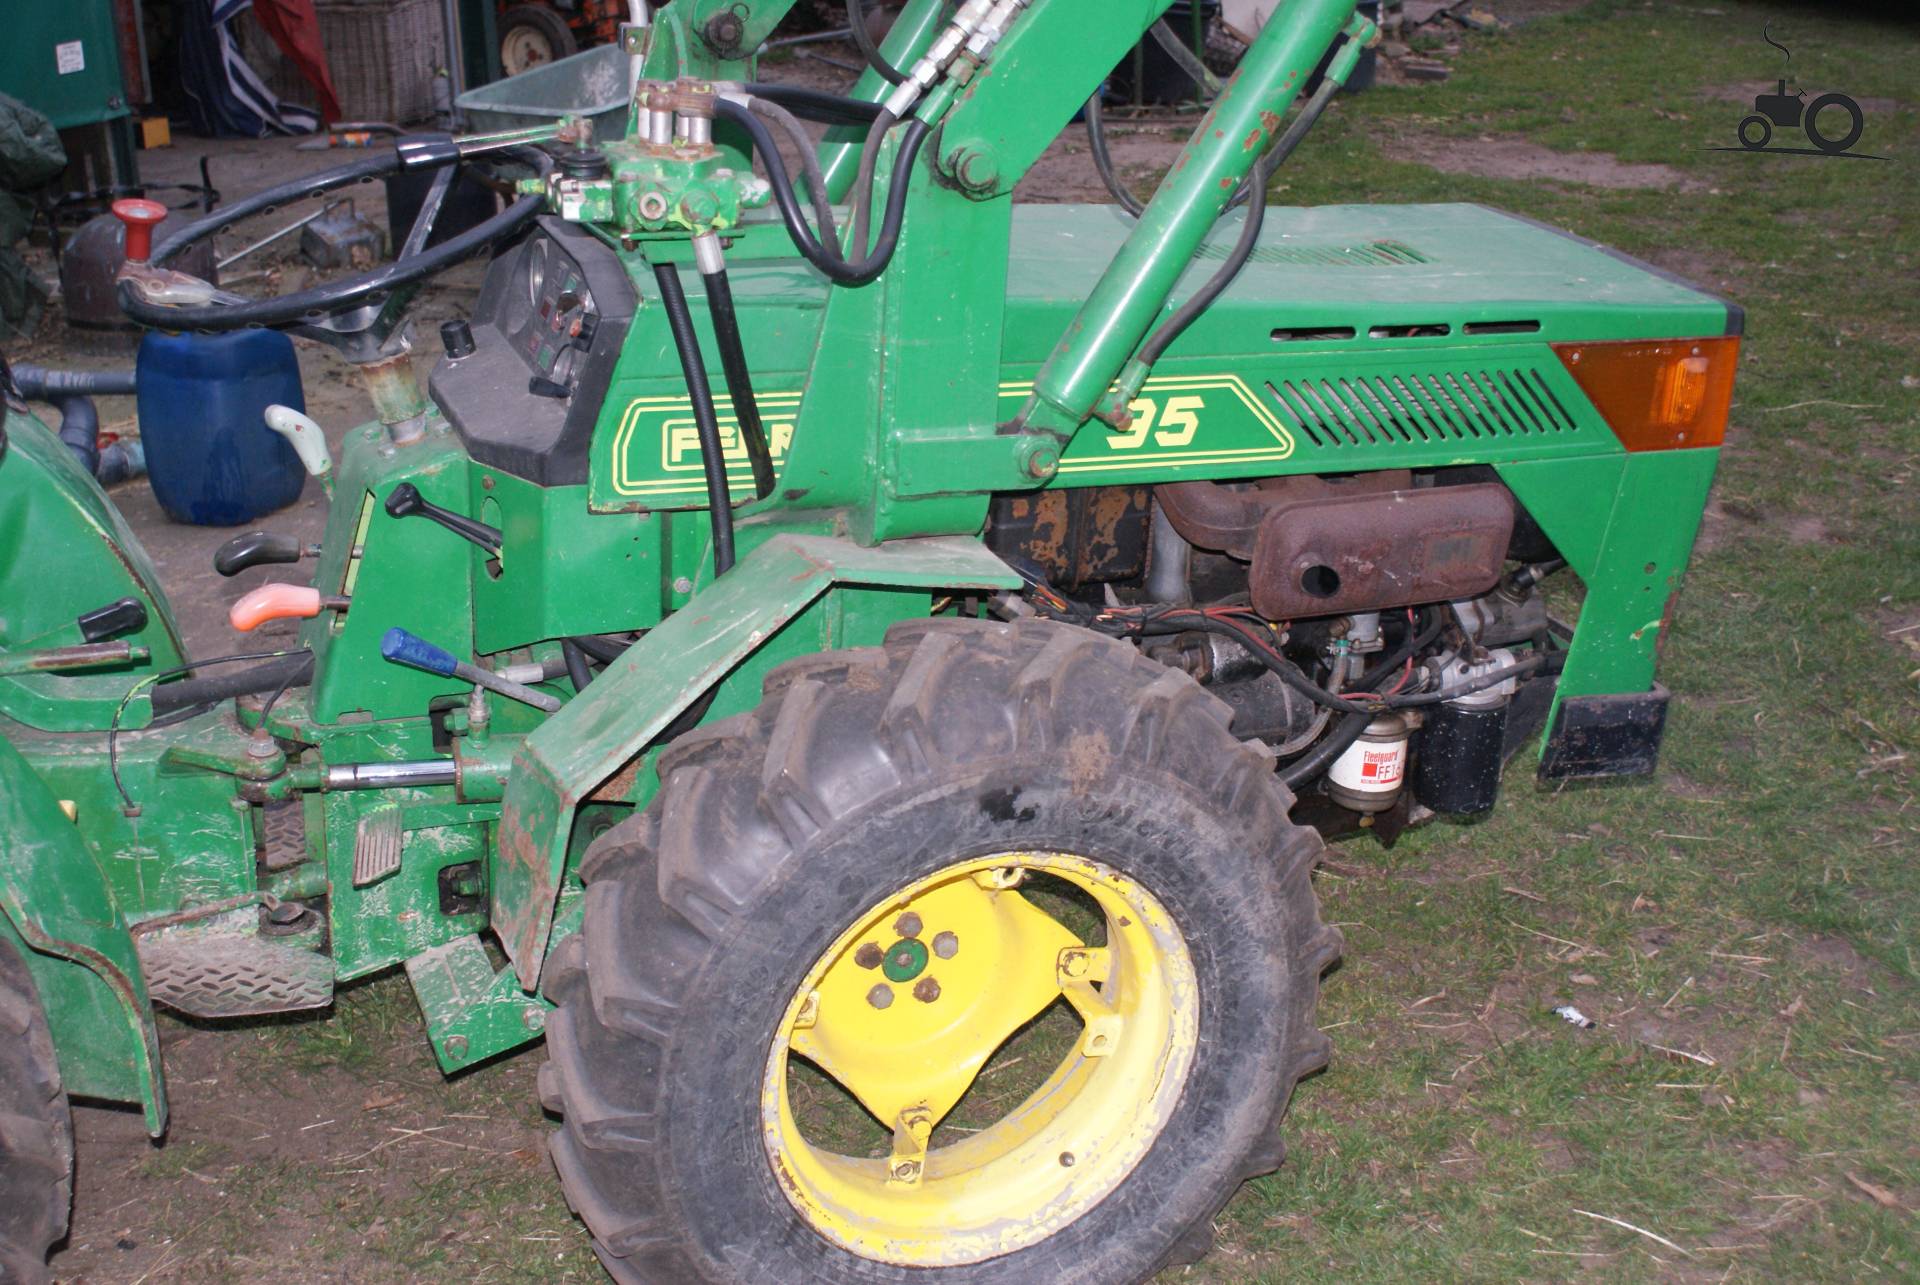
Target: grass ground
[
  {"x": 1741, "y": 928},
  {"x": 1754, "y": 908}
]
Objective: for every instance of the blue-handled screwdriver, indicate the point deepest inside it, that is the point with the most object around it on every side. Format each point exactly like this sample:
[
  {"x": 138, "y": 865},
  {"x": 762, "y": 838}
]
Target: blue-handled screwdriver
[{"x": 404, "y": 648}]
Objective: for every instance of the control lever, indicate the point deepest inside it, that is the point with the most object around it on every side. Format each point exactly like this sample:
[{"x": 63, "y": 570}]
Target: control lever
[
  {"x": 404, "y": 648},
  {"x": 258, "y": 549},
  {"x": 280, "y": 602},
  {"x": 309, "y": 443},
  {"x": 405, "y": 501}
]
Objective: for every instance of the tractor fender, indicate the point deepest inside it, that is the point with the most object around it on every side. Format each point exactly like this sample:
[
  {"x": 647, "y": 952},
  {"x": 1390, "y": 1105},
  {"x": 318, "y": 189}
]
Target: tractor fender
[{"x": 56, "y": 903}]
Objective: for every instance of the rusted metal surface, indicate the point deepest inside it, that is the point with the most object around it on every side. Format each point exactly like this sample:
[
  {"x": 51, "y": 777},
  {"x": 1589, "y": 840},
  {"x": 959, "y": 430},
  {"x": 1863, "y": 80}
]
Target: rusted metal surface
[
  {"x": 1077, "y": 537},
  {"x": 1321, "y": 547}
]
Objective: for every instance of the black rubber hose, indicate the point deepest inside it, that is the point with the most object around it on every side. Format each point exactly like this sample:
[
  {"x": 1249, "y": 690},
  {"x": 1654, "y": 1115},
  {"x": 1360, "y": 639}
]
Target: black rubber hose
[
  {"x": 863, "y": 38},
  {"x": 694, "y": 367},
  {"x": 41, "y": 384},
  {"x": 1304, "y": 769},
  {"x": 72, "y": 392},
  {"x": 809, "y": 164},
  {"x": 287, "y": 671},
  {"x": 733, "y": 366},
  {"x": 577, "y": 672},
  {"x": 1256, "y": 187},
  {"x": 830, "y": 262},
  {"x": 863, "y": 181},
  {"x": 602, "y": 648},
  {"x": 816, "y": 105},
  {"x": 1103, "y": 159}
]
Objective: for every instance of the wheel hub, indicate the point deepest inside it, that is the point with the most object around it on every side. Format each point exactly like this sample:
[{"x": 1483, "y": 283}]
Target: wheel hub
[{"x": 907, "y": 1027}]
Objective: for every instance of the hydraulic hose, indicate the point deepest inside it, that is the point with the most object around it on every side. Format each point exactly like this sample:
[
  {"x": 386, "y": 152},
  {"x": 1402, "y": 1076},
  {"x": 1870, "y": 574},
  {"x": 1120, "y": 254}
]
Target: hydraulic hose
[
  {"x": 863, "y": 180},
  {"x": 856, "y": 272},
  {"x": 863, "y": 38},
  {"x": 1103, "y": 159},
  {"x": 809, "y": 161},
  {"x": 694, "y": 367},
  {"x": 1256, "y": 189},
  {"x": 816, "y": 105},
  {"x": 733, "y": 365}
]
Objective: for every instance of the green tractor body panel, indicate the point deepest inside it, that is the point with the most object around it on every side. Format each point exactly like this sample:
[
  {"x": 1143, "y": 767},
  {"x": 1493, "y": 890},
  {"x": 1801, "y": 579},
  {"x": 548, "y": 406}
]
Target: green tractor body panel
[
  {"x": 971, "y": 371},
  {"x": 70, "y": 551},
  {"x": 55, "y": 900}
]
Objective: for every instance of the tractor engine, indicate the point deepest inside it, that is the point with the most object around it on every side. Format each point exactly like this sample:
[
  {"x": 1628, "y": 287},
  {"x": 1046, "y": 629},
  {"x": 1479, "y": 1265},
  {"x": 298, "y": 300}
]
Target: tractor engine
[{"x": 1361, "y": 627}]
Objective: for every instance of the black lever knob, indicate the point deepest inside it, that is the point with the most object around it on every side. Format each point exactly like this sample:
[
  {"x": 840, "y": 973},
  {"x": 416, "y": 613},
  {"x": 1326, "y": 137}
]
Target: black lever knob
[
  {"x": 255, "y": 549},
  {"x": 405, "y": 501},
  {"x": 127, "y": 616},
  {"x": 456, "y": 337}
]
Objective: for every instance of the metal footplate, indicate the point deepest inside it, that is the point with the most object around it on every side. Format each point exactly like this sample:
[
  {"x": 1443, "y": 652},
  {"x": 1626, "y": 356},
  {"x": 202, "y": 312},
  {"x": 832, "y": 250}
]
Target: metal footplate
[{"x": 223, "y": 965}]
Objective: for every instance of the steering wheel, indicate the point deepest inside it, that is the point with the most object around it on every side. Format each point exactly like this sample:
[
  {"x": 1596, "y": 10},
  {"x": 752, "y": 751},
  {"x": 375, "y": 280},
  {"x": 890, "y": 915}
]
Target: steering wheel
[{"x": 356, "y": 313}]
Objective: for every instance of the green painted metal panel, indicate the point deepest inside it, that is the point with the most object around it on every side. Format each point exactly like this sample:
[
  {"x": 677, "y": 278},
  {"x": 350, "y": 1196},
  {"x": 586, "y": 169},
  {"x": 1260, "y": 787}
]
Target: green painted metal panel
[
  {"x": 60, "y": 529},
  {"x": 654, "y": 680},
  {"x": 57, "y": 898}
]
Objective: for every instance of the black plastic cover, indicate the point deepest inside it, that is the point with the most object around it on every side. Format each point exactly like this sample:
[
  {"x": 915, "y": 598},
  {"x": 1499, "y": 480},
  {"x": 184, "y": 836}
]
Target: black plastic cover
[{"x": 485, "y": 395}]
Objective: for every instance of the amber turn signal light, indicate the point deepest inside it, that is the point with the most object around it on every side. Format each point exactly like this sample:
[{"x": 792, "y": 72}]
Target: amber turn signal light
[{"x": 1658, "y": 395}]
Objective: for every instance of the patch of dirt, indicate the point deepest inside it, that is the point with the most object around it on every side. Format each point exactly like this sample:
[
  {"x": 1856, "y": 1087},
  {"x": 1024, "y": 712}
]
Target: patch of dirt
[
  {"x": 1065, "y": 172},
  {"x": 1833, "y": 955},
  {"x": 266, "y": 1159},
  {"x": 1516, "y": 158}
]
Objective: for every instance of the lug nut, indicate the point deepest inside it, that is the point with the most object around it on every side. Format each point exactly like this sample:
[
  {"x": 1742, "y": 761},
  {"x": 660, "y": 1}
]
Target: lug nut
[
  {"x": 869, "y": 955},
  {"x": 907, "y": 925},
  {"x": 880, "y": 996},
  {"x": 926, "y": 990},
  {"x": 946, "y": 945}
]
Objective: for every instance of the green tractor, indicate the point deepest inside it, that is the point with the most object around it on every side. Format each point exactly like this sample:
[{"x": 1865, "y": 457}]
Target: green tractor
[{"x": 991, "y": 645}]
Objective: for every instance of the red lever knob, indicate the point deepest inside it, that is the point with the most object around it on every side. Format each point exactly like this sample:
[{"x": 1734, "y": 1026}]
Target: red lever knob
[{"x": 140, "y": 216}]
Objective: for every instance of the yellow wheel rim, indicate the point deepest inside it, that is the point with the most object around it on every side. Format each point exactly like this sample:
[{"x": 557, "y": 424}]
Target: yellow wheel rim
[{"x": 908, "y": 1005}]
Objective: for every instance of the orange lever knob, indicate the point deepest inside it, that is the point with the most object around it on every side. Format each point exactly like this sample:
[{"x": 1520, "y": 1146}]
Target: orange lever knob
[
  {"x": 140, "y": 216},
  {"x": 274, "y": 602}
]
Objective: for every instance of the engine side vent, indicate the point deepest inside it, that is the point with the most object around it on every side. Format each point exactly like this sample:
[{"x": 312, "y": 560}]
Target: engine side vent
[
  {"x": 1369, "y": 254},
  {"x": 1450, "y": 406}
]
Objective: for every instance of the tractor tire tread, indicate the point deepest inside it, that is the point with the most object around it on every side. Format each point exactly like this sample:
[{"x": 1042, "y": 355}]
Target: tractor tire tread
[
  {"x": 36, "y": 1131},
  {"x": 740, "y": 801}
]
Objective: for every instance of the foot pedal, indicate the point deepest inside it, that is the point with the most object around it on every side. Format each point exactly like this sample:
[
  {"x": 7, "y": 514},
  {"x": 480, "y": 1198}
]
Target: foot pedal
[
  {"x": 376, "y": 844},
  {"x": 283, "y": 834},
  {"x": 223, "y": 966}
]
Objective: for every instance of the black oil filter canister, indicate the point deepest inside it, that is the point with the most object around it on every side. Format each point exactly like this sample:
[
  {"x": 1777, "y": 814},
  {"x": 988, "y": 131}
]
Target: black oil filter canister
[{"x": 1457, "y": 757}]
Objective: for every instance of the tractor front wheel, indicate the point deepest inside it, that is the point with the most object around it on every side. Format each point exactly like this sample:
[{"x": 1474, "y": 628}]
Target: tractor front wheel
[
  {"x": 1756, "y": 132},
  {"x": 986, "y": 953},
  {"x": 36, "y": 1131}
]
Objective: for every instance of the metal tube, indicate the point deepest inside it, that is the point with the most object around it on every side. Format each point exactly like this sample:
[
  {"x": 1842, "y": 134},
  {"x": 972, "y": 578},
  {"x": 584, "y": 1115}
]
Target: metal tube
[
  {"x": 387, "y": 776},
  {"x": 1169, "y": 562},
  {"x": 1135, "y": 286}
]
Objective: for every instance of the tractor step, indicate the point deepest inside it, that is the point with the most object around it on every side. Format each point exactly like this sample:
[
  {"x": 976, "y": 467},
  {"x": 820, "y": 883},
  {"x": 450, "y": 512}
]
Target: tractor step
[
  {"x": 376, "y": 844},
  {"x": 283, "y": 834},
  {"x": 227, "y": 965}
]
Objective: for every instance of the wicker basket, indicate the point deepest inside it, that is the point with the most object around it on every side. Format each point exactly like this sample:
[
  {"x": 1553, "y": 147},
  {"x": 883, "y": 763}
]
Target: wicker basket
[{"x": 381, "y": 54}]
